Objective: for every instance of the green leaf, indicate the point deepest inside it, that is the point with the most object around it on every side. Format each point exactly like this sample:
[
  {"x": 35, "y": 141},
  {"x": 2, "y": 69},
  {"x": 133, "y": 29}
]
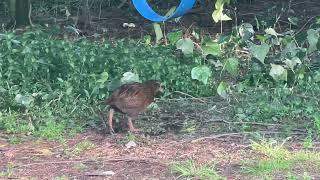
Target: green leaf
[
  {"x": 23, "y": 100},
  {"x": 201, "y": 73},
  {"x": 218, "y": 14},
  {"x": 278, "y": 72},
  {"x": 147, "y": 39},
  {"x": 232, "y": 66},
  {"x": 186, "y": 45},
  {"x": 158, "y": 32},
  {"x": 103, "y": 77},
  {"x": 212, "y": 48},
  {"x": 290, "y": 50},
  {"x": 60, "y": 80},
  {"x": 271, "y": 31},
  {"x": 222, "y": 90},
  {"x": 246, "y": 31},
  {"x": 313, "y": 38},
  {"x": 259, "y": 51},
  {"x": 173, "y": 37},
  {"x": 129, "y": 77},
  {"x": 291, "y": 63}
]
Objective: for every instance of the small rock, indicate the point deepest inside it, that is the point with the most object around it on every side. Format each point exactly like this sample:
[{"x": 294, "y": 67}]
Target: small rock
[
  {"x": 131, "y": 144},
  {"x": 101, "y": 173}
]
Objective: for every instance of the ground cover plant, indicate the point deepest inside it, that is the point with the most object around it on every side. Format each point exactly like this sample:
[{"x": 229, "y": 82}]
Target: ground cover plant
[{"x": 226, "y": 77}]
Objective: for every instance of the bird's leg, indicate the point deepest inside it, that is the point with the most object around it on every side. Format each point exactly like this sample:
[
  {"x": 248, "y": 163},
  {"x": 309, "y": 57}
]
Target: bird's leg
[
  {"x": 111, "y": 111},
  {"x": 130, "y": 125}
]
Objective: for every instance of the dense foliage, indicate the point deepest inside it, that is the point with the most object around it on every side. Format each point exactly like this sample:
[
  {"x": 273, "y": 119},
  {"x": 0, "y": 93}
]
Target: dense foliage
[{"x": 47, "y": 80}]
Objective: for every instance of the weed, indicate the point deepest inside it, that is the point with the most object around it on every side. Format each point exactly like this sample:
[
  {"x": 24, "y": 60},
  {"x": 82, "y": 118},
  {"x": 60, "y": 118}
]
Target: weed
[
  {"x": 278, "y": 159},
  {"x": 63, "y": 177},
  {"x": 268, "y": 166},
  {"x": 83, "y": 146},
  {"x": 188, "y": 169},
  {"x": 52, "y": 130},
  {"x": 308, "y": 142},
  {"x": 8, "y": 172},
  {"x": 296, "y": 177},
  {"x": 78, "y": 148},
  {"x": 11, "y": 123},
  {"x": 14, "y": 139}
]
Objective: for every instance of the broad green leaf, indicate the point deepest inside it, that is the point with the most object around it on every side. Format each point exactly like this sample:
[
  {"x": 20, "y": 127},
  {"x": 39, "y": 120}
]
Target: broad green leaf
[
  {"x": 212, "y": 48},
  {"x": 222, "y": 90},
  {"x": 129, "y": 77},
  {"x": 218, "y": 14},
  {"x": 259, "y": 51},
  {"x": 246, "y": 31},
  {"x": 232, "y": 66},
  {"x": 158, "y": 32},
  {"x": 278, "y": 72},
  {"x": 313, "y": 38},
  {"x": 290, "y": 50},
  {"x": 23, "y": 100},
  {"x": 271, "y": 31},
  {"x": 173, "y": 37},
  {"x": 186, "y": 45},
  {"x": 201, "y": 73},
  {"x": 60, "y": 80},
  {"x": 103, "y": 77},
  {"x": 291, "y": 63}
]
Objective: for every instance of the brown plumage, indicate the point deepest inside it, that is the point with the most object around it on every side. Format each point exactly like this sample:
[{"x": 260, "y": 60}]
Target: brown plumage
[{"x": 132, "y": 99}]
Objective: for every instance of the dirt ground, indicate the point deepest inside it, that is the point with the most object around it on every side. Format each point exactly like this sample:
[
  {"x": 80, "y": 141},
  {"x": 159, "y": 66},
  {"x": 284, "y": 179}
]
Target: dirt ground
[{"x": 150, "y": 159}]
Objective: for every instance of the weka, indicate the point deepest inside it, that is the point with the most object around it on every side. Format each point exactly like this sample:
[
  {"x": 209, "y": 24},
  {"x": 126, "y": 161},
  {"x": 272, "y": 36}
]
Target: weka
[{"x": 131, "y": 100}]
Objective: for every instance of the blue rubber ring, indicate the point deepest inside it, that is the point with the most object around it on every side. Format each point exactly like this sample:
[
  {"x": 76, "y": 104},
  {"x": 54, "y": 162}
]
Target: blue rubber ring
[{"x": 146, "y": 11}]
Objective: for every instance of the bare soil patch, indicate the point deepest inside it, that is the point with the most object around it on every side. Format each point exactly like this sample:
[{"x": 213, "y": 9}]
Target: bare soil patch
[{"x": 150, "y": 159}]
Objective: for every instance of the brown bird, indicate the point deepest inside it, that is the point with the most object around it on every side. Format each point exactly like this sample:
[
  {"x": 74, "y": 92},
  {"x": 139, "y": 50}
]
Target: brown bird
[{"x": 132, "y": 99}]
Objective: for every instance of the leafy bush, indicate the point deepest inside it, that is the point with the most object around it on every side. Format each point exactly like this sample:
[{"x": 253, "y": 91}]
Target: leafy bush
[{"x": 47, "y": 79}]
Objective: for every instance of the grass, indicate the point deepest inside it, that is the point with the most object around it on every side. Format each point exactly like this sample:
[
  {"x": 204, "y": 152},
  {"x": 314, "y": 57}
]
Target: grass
[
  {"x": 78, "y": 148},
  {"x": 277, "y": 159},
  {"x": 8, "y": 172},
  {"x": 188, "y": 169}
]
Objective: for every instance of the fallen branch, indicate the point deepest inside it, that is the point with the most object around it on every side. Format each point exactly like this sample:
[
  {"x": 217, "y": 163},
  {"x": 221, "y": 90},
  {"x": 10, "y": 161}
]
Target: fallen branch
[
  {"x": 217, "y": 136},
  {"x": 179, "y": 92}
]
